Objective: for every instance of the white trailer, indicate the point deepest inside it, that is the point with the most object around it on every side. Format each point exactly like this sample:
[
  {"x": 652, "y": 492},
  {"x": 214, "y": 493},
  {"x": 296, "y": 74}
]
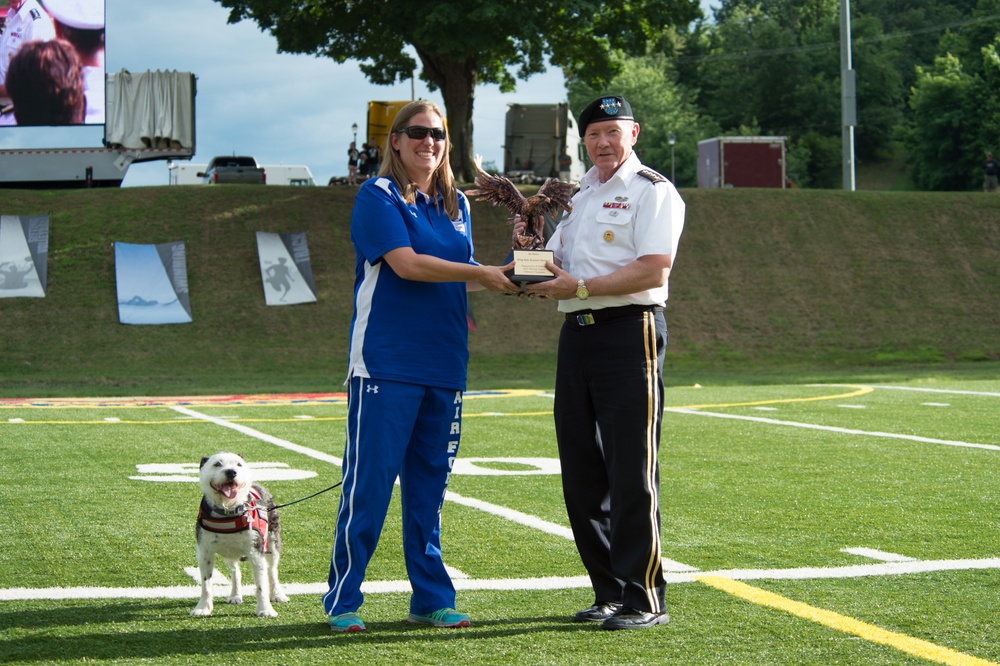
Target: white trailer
[
  {"x": 185, "y": 173},
  {"x": 288, "y": 174},
  {"x": 139, "y": 127}
]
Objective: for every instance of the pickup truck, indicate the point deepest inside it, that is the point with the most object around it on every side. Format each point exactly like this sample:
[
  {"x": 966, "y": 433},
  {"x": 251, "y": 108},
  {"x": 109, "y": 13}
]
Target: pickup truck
[{"x": 233, "y": 169}]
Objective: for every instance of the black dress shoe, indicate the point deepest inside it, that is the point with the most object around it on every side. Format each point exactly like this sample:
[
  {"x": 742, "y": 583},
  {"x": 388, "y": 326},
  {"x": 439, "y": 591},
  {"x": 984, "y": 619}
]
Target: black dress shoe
[
  {"x": 630, "y": 618},
  {"x": 599, "y": 612}
]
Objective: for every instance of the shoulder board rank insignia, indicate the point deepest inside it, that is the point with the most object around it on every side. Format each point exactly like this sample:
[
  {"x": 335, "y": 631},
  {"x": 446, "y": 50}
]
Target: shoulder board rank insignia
[
  {"x": 651, "y": 176},
  {"x": 35, "y": 14}
]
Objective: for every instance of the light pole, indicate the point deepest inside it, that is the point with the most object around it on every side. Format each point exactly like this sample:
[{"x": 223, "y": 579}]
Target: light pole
[
  {"x": 354, "y": 128},
  {"x": 672, "y": 139},
  {"x": 848, "y": 98}
]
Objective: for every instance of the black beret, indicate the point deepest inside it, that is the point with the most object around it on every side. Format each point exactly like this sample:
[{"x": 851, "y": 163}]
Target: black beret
[{"x": 608, "y": 107}]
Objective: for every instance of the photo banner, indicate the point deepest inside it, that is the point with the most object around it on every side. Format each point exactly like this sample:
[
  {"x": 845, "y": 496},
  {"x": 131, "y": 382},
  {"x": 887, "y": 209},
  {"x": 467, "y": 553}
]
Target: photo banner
[
  {"x": 24, "y": 255},
  {"x": 285, "y": 268},
  {"x": 152, "y": 284}
]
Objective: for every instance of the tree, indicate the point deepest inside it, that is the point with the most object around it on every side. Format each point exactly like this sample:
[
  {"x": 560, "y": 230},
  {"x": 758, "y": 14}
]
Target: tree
[
  {"x": 461, "y": 43},
  {"x": 662, "y": 107},
  {"x": 776, "y": 63},
  {"x": 944, "y": 130}
]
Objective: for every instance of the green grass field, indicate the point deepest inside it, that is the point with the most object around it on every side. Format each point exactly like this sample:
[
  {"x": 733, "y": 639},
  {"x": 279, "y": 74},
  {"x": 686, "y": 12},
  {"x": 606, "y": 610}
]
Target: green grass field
[{"x": 802, "y": 524}]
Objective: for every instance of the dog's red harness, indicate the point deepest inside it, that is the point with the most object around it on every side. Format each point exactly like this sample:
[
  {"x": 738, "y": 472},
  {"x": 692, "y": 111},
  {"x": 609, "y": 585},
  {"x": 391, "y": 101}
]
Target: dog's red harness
[{"x": 250, "y": 516}]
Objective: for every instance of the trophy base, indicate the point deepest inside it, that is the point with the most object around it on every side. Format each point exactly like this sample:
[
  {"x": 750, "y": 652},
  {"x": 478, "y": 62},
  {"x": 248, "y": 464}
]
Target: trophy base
[{"x": 529, "y": 267}]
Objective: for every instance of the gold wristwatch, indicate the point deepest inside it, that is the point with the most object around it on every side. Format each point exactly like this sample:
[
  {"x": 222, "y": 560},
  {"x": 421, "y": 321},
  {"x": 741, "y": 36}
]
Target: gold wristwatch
[{"x": 581, "y": 290}]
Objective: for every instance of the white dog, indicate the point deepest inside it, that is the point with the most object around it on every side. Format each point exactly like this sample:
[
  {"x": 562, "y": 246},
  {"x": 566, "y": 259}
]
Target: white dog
[{"x": 237, "y": 521}]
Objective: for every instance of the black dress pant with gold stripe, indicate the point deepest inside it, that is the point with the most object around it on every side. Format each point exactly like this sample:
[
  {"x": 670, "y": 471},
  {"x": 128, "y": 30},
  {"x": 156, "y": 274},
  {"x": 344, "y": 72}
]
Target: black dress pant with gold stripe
[{"x": 608, "y": 409}]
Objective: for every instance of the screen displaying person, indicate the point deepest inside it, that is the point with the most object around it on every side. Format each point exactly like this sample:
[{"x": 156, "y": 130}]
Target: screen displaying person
[{"x": 45, "y": 84}]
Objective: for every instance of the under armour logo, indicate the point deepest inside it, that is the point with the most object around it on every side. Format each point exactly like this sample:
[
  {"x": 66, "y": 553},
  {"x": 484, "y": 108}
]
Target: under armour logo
[{"x": 371, "y": 388}]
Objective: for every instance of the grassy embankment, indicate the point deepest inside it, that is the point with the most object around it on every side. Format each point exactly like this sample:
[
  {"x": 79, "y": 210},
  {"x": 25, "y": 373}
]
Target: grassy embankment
[{"x": 819, "y": 284}]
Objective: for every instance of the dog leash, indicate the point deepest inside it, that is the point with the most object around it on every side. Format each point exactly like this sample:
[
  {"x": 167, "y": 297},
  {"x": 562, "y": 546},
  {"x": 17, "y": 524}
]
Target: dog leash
[{"x": 303, "y": 499}]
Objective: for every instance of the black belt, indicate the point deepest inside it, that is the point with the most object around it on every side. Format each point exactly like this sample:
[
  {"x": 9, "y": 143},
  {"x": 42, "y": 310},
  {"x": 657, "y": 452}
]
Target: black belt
[{"x": 588, "y": 317}]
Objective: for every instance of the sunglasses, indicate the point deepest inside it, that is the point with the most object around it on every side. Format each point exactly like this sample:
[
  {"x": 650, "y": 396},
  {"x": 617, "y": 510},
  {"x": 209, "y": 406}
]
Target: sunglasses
[{"x": 420, "y": 133}]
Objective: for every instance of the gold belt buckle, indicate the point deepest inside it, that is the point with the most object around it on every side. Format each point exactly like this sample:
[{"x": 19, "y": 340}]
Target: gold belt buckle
[{"x": 585, "y": 319}]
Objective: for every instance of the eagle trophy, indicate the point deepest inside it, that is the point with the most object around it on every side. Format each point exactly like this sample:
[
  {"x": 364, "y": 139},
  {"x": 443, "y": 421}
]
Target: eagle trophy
[{"x": 500, "y": 191}]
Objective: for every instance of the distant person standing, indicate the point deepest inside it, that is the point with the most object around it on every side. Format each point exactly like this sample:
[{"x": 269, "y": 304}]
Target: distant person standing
[
  {"x": 352, "y": 164},
  {"x": 363, "y": 162},
  {"x": 26, "y": 22},
  {"x": 81, "y": 23},
  {"x": 371, "y": 163},
  {"x": 990, "y": 170}
]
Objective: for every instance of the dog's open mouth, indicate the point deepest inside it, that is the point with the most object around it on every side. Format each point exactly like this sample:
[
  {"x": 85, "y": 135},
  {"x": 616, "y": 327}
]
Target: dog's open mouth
[{"x": 228, "y": 490}]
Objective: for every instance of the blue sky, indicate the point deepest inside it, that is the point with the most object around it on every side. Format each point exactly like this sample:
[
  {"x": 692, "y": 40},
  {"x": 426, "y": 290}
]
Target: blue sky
[{"x": 279, "y": 108}]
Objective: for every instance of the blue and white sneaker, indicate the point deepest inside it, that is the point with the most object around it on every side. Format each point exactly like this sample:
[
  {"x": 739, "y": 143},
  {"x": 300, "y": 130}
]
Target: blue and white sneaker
[
  {"x": 346, "y": 623},
  {"x": 446, "y": 617}
]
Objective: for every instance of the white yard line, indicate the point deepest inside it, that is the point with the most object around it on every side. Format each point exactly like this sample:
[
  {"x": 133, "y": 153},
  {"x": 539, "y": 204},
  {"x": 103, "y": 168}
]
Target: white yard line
[
  {"x": 543, "y": 583},
  {"x": 251, "y": 432},
  {"x": 846, "y": 431},
  {"x": 858, "y": 570},
  {"x": 989, "y": 394},
  {"x": 537, "y": 523},
  {"x": 878, "y": 555}
]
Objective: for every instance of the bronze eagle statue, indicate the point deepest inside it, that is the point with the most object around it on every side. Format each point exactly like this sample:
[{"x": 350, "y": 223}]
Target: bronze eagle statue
[{"x": 500, "y": 191}]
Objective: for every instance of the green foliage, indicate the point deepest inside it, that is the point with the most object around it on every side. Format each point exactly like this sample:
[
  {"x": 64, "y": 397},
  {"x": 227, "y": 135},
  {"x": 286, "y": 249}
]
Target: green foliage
[
  {"x": 777, "y": 62},
  {"x": 824, "y": 166},
  {"x": 988, "y": 97},
  {"x": 880, "y": 89},
  {"x": 460, "y": 45},
  {"x": 942, "y": 143},
  {"x": 662, "y": 106}
]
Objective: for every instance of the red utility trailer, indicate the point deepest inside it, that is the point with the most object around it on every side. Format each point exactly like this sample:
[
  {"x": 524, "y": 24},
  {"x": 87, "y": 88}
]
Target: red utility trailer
[{"x": 742, "y": 161}]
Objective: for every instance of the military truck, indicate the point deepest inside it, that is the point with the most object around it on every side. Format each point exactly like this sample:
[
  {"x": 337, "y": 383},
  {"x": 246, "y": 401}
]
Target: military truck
[{"x": 535, "y": 139}]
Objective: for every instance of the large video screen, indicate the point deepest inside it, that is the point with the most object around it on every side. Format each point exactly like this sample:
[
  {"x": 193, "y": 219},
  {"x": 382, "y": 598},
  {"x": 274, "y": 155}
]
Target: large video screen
[{"x": 52, "y": 63}]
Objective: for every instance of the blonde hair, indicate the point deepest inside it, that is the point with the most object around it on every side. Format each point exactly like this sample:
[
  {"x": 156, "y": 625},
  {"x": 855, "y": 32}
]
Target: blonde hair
[{"x": 443, "y": 178}]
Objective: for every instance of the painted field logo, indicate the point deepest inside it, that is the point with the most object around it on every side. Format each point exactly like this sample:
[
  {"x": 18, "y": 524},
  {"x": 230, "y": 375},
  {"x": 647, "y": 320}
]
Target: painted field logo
[{"x": 188, "y": 472}]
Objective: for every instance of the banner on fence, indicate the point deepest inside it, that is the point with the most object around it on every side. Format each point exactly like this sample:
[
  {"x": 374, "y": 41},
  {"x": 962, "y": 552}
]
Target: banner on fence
[
  {"x": 285, "y": 268},
  {"x": 24, "y": 253},
  {"x": 152, "y": 284}
]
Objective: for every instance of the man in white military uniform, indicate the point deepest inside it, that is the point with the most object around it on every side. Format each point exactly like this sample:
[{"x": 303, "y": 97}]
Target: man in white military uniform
[
  {"x": 613, "y": 254},
  {"x": 26, "y": 22}
]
